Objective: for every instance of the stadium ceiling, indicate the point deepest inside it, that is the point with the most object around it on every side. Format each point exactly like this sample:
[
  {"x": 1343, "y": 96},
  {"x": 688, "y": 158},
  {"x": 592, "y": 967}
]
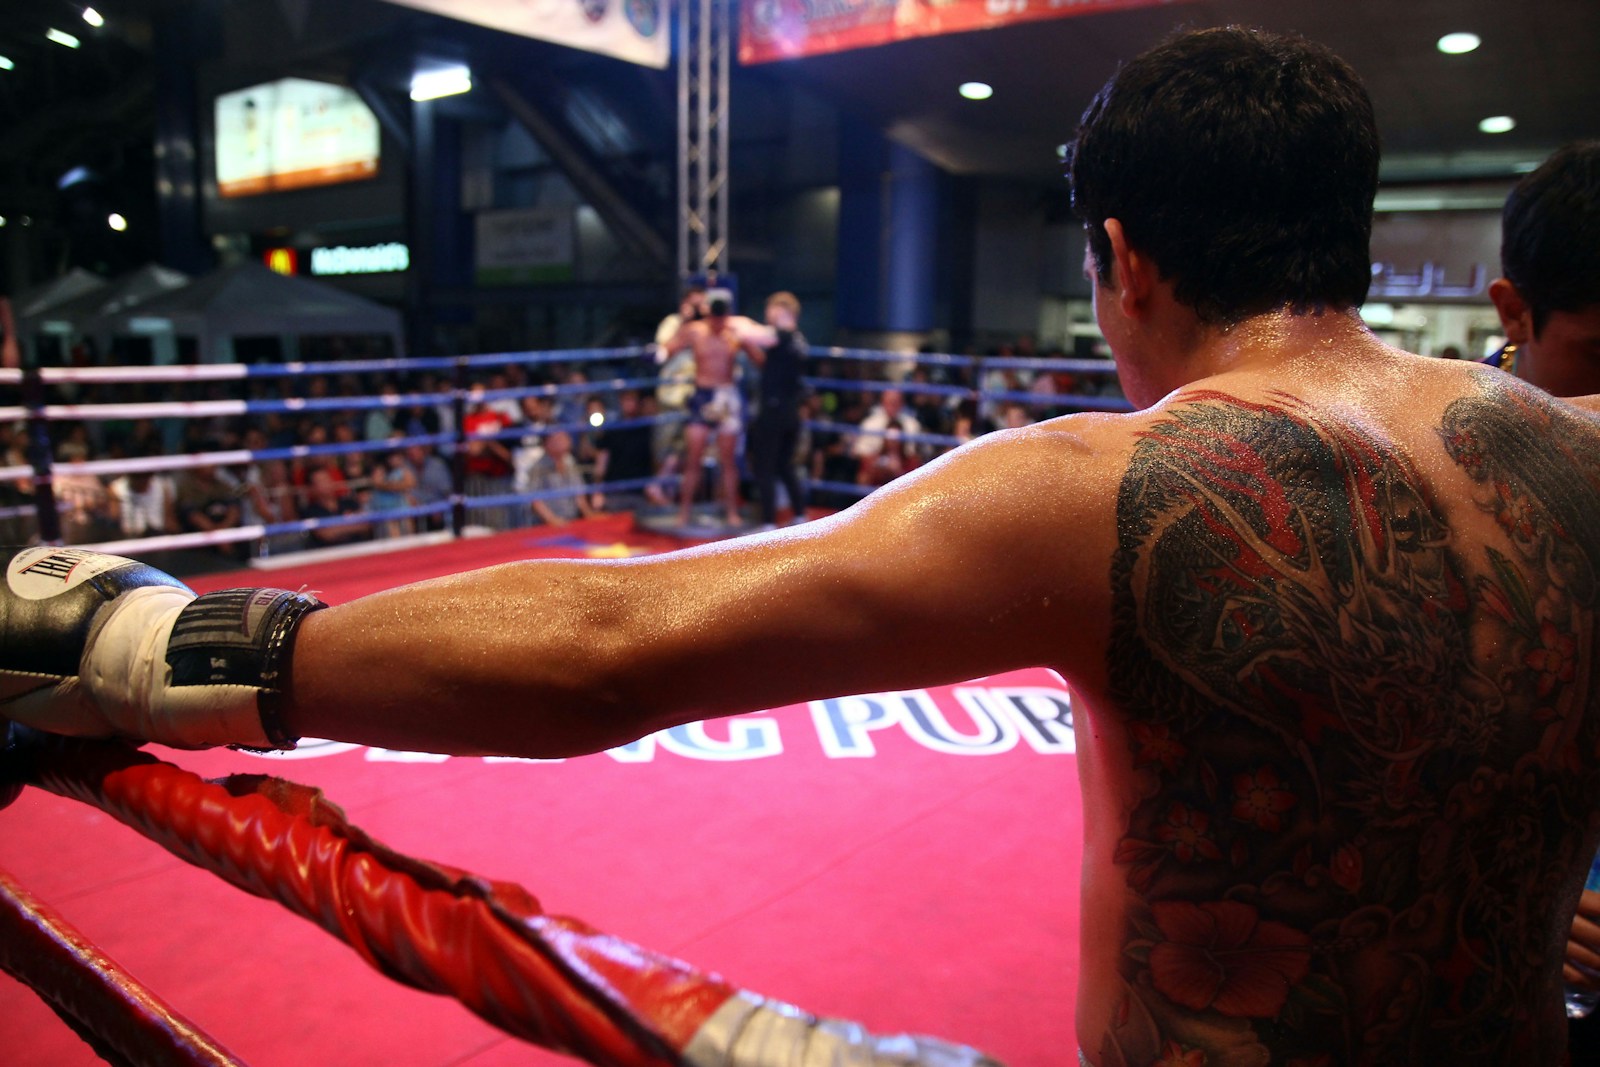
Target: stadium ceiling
[{"x": 1536, "y": 64}]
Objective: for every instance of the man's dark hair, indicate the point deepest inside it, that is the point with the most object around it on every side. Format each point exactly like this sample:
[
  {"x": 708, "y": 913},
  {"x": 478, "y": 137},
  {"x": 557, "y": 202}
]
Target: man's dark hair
[
  {"x": 1550, "y": 233},
  {"x": 1243, "y": 163},
  {"x": 718, "y": 306}
]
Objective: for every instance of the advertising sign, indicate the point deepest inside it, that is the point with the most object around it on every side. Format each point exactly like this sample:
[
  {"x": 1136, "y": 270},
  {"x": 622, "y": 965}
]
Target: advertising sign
[
  {"x": 290, "y": 134},
  {"x": 634, "y": 30},
  {"x": 523, "y": 246},
  {"x": 788, "y": 29}
]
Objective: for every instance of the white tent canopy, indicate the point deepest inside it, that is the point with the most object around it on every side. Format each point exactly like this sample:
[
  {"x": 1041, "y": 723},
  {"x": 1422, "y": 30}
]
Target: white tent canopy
[
  {"x": 75, "y": 282},
  {"x": 248, "y": 300},
  {"x": 71, "y": 319}
]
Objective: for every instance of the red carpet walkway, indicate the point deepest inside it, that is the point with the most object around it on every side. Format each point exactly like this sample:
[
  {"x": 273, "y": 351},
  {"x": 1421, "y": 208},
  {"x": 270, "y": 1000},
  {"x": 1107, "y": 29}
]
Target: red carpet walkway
[{"x": 907, "y": 860}]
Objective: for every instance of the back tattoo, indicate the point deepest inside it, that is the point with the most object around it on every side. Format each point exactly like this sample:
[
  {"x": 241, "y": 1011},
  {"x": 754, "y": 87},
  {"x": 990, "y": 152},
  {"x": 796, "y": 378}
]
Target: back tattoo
[{"x": 1363, "y": 726}]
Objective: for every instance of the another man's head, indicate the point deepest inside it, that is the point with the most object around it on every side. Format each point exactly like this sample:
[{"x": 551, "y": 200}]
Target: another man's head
[
  {"x": 558, "y": 445},
  {"x": 893, "y": 402},
  {"x": 717, "y": 310},
  {"x": 783, "y": 310},
  {"x": 693, "y": 304},
  {"x": 1239, "y": 168},
  {"x": 1549, "y": 299}
]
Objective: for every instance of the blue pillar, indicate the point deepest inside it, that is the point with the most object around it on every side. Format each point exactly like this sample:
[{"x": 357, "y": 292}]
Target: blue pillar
[
  {"x": 888, "y": 233},
  {"x": 182, "y": 38}
]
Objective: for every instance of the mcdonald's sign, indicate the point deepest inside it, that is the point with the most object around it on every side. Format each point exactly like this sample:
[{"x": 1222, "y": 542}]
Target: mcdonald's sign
[{"x": 282, "y": 260}]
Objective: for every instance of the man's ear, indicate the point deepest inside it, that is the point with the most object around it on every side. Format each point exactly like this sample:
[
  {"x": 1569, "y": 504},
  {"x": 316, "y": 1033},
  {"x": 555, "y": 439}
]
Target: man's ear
[
  {"x": 1516, "y": 317},
  {"x": 1133, "y": 274}
]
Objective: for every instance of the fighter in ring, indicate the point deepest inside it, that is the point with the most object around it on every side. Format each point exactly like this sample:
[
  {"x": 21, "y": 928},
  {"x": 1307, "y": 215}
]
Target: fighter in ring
[
  {"x": 1330, "y": 614},
  {"x": 715, "y": 406}
]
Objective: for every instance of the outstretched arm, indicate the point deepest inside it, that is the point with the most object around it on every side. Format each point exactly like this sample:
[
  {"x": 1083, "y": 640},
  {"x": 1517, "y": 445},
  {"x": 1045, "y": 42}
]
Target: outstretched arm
[{"x": 984, "y": 561}]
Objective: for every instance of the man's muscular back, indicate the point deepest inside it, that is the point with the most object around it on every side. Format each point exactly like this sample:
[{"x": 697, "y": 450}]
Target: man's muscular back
[{"x": 1344, "y": 746}]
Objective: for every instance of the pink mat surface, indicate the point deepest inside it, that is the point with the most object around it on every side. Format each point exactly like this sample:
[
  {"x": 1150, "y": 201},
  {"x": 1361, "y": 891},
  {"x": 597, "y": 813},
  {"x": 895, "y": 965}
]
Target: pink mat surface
[{"x": 927, "y": 887}]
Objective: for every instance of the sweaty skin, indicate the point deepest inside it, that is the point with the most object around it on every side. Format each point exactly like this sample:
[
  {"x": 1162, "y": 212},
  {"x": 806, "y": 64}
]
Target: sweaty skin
[{"x": 1328, "y": 617}]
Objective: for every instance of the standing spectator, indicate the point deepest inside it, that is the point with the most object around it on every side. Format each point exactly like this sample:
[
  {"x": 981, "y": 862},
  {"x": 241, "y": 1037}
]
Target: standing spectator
[
  {"x": 558, "y": 470},
  {"x": 488, "y": 460},
  {"x": 623, "y": 454},
  {"x": 777, "y": 426}
]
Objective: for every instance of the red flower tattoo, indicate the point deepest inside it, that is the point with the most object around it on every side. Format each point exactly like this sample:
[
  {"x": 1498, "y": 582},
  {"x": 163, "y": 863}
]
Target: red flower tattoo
[
  {"x": 1515, "y": 513},
  {"x": 1176, "y": 1055},
  {"x": 1222, "y": 956},
  {"x": 1157, "y": 745},
  {"x": 1259, "y": 798},
  {"x": 1553, "y": 659},
  {"x": 1185, "y": 831}
]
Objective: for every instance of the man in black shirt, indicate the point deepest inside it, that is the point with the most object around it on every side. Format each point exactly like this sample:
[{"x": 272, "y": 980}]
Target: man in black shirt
[
  {"x": 777, "y": 426},
  {"x": 624, "y": 453}
]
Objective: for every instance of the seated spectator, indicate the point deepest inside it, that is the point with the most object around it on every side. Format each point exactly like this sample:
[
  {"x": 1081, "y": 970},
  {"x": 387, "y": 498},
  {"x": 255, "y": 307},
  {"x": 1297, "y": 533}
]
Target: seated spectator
[
  {"x": 144, "y": 504},
  {"x": 393, "y": 483},
  {"x": 380, "y": 422},
  {"x": 895, "y": 458},
  {"x": 968, "y": 423},
  {"x": 325, "y": 501},
  {"x": 208, "y": 501},
  {"x": 889, "y": 414},
  {"x": 434, "y": 481},
  {"x": 557, "y": 469},
  {"x": 269, "y": 499}
]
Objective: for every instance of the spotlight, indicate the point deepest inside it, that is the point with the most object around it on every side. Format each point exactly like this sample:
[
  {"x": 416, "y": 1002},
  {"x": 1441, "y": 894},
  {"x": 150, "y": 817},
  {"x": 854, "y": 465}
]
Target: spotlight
[
  {"x": 1498, "y": 124},
  {"x": 93, "y": 17},
  {"x": 6, "y": 64},
  {"x": 62, "y": 38},
  {"x": 447, "y": 81},
  {"x": 116, "y": 222},
  {"x": 976, "y": 90},
  {"x": 597, "y": 419},
  {"x": 1455, "y": 44}
]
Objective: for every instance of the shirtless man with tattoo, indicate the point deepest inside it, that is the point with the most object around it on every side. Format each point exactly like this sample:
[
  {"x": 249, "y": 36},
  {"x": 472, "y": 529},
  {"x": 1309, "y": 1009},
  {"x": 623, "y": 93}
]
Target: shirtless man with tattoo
[
  {"x": 1327, "y": 609},
  {"x": 714, "y": 406}
]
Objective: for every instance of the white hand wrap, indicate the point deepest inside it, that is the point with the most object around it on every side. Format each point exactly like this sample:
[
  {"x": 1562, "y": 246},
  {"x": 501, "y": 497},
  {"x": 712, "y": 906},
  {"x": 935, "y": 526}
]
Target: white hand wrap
[{"x": 751, "y": 1031}]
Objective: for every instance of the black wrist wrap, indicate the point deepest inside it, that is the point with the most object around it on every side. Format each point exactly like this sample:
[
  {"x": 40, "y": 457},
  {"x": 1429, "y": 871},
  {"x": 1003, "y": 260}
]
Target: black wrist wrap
[{"x": 242, "y": 637}]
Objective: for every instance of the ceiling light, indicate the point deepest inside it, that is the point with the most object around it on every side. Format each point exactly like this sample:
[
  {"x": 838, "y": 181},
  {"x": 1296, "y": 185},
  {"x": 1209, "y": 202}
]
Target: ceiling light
[
  {"x": 976, "y": 90},
  {"x": 447, "y": 81},
  {"x": 1061, "y": 151},
  {"x": 1498, "y": 124},
  {"x": 1455, "y": 44},
  {"x": 6, "y": 64},
  {"x": 93, "y": 17},
  {"x": 116, "y": 222},
  {"x": 2, "y": 220},
  {"x": 61, "y": 38}
]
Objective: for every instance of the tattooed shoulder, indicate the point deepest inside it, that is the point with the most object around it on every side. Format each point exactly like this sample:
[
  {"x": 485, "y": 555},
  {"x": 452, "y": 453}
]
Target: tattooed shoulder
[{"x": 1361, "y": 717}]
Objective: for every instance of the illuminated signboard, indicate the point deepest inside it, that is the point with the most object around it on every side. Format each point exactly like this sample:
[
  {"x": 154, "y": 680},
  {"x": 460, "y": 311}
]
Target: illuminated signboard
[
  {"x": 361, "y": 259},
  {"x": 290, "y": 134}
]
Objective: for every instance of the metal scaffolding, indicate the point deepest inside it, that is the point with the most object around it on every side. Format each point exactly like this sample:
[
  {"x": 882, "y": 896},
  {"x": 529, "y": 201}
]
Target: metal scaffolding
[{"x": 703, "y": 60}]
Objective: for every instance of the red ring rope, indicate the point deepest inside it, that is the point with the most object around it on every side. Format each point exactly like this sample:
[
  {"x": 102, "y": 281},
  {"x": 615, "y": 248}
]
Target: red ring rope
[
  {"x": 547, "y": 979},
  {"x": 119, "y": 1017}
]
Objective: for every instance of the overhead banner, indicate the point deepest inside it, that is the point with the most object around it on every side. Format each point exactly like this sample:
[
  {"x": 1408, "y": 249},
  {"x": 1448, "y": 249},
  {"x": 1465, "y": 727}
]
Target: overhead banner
[
  {"x": 634, "y": 30},
  {"x": 789, "y": 29}
]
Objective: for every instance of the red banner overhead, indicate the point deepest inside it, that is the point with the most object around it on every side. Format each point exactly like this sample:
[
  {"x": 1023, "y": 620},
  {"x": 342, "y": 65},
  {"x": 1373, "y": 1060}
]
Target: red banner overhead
[{"x": 788, "y": 29}]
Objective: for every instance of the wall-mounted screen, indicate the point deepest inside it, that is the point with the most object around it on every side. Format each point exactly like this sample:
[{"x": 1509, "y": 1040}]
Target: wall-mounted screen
[{"x": 291, "y": 134}]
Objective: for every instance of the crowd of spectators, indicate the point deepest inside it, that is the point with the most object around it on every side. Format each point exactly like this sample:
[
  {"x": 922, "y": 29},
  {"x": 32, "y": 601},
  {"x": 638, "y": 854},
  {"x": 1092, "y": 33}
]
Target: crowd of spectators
[{"x": 557, "y": 446}]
